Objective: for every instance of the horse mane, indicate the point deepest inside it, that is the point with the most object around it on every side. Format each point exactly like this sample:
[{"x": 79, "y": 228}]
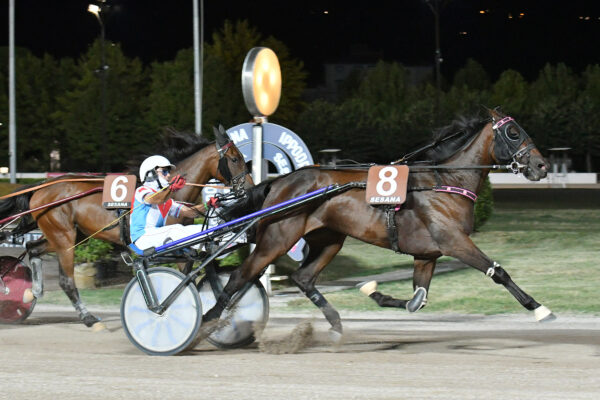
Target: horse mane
[
  {"x": 176, "y": 147},
  {"x": 180, "y": 145},
  {"x": 449, "y": 139}
]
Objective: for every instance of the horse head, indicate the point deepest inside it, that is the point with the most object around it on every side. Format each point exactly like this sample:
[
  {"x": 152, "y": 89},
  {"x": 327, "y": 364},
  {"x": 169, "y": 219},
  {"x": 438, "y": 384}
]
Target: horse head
[
  {"x": 513, "y": 145},
  {"x": 232, "y": 167}
]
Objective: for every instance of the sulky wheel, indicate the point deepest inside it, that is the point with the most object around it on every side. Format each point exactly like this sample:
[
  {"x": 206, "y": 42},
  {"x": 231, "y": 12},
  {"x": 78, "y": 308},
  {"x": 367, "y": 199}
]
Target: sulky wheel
[
  {"x": 174, "y": 331},
  {"x": 15, "y": 280},
  {"x": 252, "y": 308}
]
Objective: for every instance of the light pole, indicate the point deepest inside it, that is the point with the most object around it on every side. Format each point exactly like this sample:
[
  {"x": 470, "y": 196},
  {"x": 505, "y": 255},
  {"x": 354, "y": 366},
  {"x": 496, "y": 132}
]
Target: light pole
[
  {"x": 12, "y": 123},
  {"x": 103, "y": 70},
  {"x": 198, "y": 62},
  {"x": 434, "y": 5}
]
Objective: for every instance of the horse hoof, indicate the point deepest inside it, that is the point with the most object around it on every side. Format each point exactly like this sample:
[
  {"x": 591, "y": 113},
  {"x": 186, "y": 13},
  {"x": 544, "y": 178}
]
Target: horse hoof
[
  {"x": 418, "y": 301},
  {"x": 368, "y": 288},
  {"x": 98, "y": 327},
  {"x": 28, "y": 296},
  {"x": 335, "y": 336},
  {"x": 543, "y": 314}
]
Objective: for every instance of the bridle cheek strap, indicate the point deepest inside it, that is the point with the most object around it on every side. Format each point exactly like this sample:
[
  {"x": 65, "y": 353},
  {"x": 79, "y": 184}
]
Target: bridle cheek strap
[{"x": 235, "y": 181}]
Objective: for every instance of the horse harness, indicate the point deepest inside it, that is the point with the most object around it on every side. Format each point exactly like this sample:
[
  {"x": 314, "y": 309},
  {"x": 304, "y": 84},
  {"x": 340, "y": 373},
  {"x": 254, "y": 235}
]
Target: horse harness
[
  {"x": 236, "y": 181},
  {"x": 391, "y": 210},
  {"x": 511, "y": 136},
  {"x": 123, "y": 223}
]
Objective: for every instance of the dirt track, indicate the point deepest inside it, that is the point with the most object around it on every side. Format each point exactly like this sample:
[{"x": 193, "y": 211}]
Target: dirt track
[{"x": 387, "y": 355}]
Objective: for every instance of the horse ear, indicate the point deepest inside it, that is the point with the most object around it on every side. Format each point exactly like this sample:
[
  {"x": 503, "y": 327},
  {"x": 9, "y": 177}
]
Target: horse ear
[
  {"x": 495, "y": 114},
  {"x": 220, "y": 136}
]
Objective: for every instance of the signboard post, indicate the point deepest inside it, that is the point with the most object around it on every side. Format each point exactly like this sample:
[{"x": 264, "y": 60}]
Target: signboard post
[{"x": 261, "y": 87}]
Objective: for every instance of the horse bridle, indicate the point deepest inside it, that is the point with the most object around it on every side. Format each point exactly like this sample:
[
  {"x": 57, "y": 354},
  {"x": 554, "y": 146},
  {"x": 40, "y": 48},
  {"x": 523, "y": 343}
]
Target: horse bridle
[
  {"x": 511, "y": 137},
  {"x": 237, "y": 181}
]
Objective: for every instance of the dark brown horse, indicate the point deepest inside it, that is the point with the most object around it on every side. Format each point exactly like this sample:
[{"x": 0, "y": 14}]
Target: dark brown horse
[
  {"x": 199, "y": 161},
  {"x": 428, "y": 225}
]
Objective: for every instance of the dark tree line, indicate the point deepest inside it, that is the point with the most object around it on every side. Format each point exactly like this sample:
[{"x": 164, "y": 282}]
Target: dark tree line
[{"x": 378, "y": 117}]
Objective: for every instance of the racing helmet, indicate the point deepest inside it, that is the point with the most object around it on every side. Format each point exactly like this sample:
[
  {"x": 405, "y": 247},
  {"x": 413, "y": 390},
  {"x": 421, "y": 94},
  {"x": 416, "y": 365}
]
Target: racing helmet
[{"x": 151, "y": 163}]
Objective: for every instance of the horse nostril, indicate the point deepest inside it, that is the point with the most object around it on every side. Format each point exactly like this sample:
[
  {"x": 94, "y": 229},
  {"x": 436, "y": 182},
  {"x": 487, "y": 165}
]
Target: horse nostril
[{"x": 542, "y": 166}]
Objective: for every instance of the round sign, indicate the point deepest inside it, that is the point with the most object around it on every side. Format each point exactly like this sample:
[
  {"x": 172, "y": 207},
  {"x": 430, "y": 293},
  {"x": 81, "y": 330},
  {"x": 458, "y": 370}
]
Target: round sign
[
  {"x": 286, "y": 150},
  {"x": 283, "y": 148},
  {"x": 261, "y": 81}
]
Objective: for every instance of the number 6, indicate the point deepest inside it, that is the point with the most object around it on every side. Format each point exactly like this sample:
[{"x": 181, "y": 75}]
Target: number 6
[{"x": 119, "y": 187}]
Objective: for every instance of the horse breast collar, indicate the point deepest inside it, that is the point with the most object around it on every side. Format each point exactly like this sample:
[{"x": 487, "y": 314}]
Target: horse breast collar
[{"x": 456, "y": 190}]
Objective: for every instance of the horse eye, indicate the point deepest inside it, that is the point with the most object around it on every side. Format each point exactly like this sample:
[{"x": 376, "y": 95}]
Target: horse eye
[{"x": 234, "y": 159}]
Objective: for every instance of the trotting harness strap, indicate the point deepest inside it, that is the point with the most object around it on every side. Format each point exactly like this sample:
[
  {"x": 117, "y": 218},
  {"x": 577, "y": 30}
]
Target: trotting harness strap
[{"x": 390, "y": 211}]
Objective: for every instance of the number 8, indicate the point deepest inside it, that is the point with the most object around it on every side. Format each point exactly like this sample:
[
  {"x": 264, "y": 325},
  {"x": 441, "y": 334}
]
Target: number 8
[{"x": 393, "y": 173}]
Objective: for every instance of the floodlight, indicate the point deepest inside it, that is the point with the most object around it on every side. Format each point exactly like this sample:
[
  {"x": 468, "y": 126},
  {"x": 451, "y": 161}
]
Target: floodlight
[{"x": 261, "y": 81}]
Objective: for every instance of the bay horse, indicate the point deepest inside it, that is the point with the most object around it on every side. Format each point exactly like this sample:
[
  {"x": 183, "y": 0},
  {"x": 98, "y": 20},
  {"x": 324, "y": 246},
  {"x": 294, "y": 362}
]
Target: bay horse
[
  {"x": 428, "y": 225},
  {"x": 195, "y": 157}
]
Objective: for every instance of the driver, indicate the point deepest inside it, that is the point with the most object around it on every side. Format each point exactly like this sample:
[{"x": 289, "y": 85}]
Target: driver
[{"x": 152, "y": 205}]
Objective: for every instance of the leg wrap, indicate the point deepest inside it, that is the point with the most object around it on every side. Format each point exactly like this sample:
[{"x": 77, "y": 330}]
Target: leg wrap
[
  {"x": 383, "y": 300},
  {"x": 316, "y": 297},
  {"x": 330, "y": 313},
  {"x": 500, "y": 276},
  {"x": 223, "y": 300}
]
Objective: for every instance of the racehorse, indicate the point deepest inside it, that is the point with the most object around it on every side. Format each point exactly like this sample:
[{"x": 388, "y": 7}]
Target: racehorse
[
  {"x": 428, "y": 225},
  {"x": 197, "y": 160}
]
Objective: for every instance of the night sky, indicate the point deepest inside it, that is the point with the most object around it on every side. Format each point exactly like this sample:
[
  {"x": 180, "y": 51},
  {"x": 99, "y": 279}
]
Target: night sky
[{"x": 329, "y": 31}]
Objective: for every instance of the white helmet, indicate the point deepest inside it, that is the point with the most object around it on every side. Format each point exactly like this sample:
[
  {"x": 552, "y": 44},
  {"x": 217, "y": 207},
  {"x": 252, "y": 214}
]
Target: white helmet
[{"x": 151, "y": 163}]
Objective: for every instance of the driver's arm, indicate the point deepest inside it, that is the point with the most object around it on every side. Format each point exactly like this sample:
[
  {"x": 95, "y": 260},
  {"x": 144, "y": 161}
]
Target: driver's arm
[
  {"x": 192, "y": 212},
  {"x": 158, "y": 197}
]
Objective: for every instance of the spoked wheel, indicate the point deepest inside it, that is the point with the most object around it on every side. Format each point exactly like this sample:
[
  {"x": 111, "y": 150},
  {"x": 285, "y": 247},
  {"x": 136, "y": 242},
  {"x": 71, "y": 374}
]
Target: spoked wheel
[
  {"x": 251, "y": 309},
  {"x": 174, "y": 331},
  {"x": 15, "y": 280}
]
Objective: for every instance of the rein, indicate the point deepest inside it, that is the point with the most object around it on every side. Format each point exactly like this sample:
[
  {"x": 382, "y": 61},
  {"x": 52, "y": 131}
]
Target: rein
[
  {"x": 54, "y": 203},
  {"x": 43, "y": 185}
]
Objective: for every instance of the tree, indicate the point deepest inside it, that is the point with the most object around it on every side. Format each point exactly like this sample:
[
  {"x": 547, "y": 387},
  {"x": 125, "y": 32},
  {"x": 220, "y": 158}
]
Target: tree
[
  {"x": 80, "y": 115},
  {"x": 370, "y": 126},
  {"x": 225, "y": 58},
  {"x": 553, "y": 96},
  {"x": 38, "y": 82},
  {"x": 510, "y": 92},
  {"x": 473, "y": 76},
  {"x": 586, "y": 117},
  {"x": 171, "y": 97}
]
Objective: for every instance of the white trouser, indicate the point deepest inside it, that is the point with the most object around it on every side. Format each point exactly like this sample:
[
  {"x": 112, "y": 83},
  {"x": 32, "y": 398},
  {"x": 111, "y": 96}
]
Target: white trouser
[{"x": 155, "y": 237}]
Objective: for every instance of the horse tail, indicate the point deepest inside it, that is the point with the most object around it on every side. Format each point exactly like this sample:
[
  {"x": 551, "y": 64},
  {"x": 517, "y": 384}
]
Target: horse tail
[{"x": 14, "y": 205}]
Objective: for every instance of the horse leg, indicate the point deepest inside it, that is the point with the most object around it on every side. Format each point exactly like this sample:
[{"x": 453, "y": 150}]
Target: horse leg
[
  {"x": 35, "y": 249},
  {"x": 423, "y": 272},
  {"x": 67, "y": 284},
  {"x": 272, "y": 242},
  {"x": 323, "y": 246},
  {"x": 61, "y": 239},
  {"x": 467, "y": 252}
]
